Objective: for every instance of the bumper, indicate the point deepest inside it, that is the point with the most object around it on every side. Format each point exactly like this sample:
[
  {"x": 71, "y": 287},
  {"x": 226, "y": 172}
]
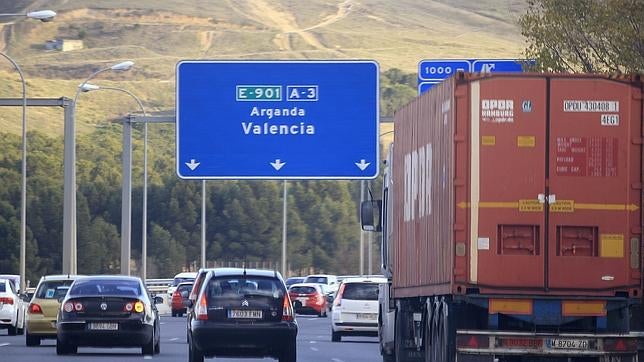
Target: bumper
[
  {"x": 355, "y": 327},
  {"x": 129, "y": 334},
  {"x": 222, "y": 339},
  {"x": 41, "y": 326},
  {"x": 7, "y": 316}
]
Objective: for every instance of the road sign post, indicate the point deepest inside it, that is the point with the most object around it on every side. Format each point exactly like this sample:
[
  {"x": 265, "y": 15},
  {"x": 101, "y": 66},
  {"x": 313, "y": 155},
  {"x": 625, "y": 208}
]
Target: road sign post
[{"x": 277, "y": 119}]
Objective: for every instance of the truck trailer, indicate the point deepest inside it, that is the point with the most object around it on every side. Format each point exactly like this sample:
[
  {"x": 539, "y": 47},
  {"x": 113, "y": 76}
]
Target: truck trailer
[{"x": 511, "y": 221}]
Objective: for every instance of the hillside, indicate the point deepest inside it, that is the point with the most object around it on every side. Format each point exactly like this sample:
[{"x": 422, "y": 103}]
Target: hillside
[{"x": 156, "y": 34}]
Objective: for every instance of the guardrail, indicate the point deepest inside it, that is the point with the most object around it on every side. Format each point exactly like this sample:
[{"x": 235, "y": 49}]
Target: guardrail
[{"x": 158, "y": 286}]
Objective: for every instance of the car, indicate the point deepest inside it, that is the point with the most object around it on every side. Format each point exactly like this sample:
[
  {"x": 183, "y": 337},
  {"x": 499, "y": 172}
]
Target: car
[
  {"x": 178, "y": 279},
  {"x": 331, "y": 281},
  {"x": 242, "y": 313},
  {"x": 44, "y": 306},
  {"x": 108, "y": 311},
  {"x": 309, "y": 298},
  {"x": 294, "y": 280},
  {"x": 180, "y": 295},
  {"x": 15, "y": 279},
  {"x": 355, "y": 308},
  {"x": 12, "y": 310}
]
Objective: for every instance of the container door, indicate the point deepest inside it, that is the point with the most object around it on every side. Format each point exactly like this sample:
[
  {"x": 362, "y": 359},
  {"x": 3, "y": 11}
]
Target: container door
[
  {"x": 594, "y": 171},
  {"x": 508, "y": 143}
]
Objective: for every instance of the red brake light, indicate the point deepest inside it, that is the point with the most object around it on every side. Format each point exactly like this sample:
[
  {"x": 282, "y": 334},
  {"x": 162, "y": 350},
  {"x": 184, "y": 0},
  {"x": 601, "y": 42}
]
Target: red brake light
[
  {"x": 34, "y": 309},
  {"x": 79, "y": 307},
  {"x": 287, "y": 309},
  {"x": 6, "y": 300},
  {"x": 201, "y": 309},
  {"x": 73, "y": 307}
]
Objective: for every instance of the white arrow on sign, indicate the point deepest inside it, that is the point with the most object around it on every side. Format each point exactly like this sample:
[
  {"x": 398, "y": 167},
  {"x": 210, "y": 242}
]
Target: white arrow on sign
[
  {"x": 362, "y": 165},
  {"x": 192, "y": 164},
  {"x": 278, "y": 164}
]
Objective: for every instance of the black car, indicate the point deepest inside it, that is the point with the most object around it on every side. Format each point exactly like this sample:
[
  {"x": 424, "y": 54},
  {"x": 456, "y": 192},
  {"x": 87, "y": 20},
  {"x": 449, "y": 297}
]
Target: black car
[
  {"x": 108, "y": 311},
  {"x": 242, "y": 313}
]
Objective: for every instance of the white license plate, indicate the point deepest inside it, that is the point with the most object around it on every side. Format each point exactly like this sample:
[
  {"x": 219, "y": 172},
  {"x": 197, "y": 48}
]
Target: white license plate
[
  {"x": 561, "y": 343},
  {"x": 369, "y": 316},
  {"x": 98, "y": 326},
  {"x": 245, "y": 314}
]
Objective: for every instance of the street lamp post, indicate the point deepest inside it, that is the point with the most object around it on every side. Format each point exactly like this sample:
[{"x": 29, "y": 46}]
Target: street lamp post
[
  {"x": 69, "y": 192},
  {"x": 43, "y": 15},
  {"x": 127, "y": 193}
]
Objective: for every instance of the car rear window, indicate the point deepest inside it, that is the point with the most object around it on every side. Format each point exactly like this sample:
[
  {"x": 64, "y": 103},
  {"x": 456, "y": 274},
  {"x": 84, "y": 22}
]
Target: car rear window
[
  {"x": 115, "y": 287},
  {"x": 178, "y": 281},
  {"x": 360, "y": 291},
  {"x": 302, "y": 290},
  {"x": 320, "y": 280},
  {"x": 186, "y": 287},
  {"x": 3, "y": 288},
  {"x": 53, "y": 289},
  {"x": 243, "y": 287}
]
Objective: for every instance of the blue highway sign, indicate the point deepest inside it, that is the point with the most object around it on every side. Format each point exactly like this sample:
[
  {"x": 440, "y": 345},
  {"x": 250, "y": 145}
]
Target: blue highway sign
[
  {"x": 425, "y": 86},
  {"x": 441, "y": 69},
  {"x": 497, "y": 65},
  {"x": 277, "y": 119}
]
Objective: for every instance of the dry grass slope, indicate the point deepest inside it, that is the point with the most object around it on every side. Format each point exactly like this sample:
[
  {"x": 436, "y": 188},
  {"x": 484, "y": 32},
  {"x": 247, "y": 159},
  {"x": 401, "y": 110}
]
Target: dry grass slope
[{"x": 157, "y": 34}]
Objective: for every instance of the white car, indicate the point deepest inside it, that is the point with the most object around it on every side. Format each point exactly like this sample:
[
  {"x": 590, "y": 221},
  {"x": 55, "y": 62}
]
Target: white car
[
  {"x": 330, "y": 281},
  {"x": 12, "y": 309},
  {"x": 355, "y": 308},
  {"x": 178, "y": 279}
]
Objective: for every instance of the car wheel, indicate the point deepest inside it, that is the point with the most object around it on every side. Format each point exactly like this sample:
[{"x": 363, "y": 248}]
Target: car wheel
[
  {"x": 148, "y": 348},
  {"x": 194, "y": 355},
  {"x": 174, "y": 314},
  {"x": 157, "y": 347},
  {"x": 335, "y": 336},
  {"x": 13, "y": 330},
  {"x": 63, "y": 348},
  {"x": 31, "y": 340},
  {"x": 290, "y": 353}
]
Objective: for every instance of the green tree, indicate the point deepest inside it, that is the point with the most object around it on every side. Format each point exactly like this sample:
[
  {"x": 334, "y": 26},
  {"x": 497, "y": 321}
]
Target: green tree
[{"x": 585, "y": 35}]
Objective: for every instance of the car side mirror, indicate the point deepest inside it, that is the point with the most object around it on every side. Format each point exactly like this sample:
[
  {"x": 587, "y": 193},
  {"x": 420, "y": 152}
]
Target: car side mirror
[
  {"x": 158, "y": 300},
  {"x": 368, "y": 211},
  {"x": 188, "y": 303}
]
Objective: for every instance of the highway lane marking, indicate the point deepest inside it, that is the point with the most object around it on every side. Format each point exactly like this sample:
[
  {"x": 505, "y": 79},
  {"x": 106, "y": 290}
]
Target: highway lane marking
[
  {"x": 313, "y": 342},
  {"x": 314, "y": 349},
  {"x": 147, "y": 357},
  {"x": 336, "y": 360},
  {"x": 174, "y": 339},
  {"x": 4, "y": 344}
]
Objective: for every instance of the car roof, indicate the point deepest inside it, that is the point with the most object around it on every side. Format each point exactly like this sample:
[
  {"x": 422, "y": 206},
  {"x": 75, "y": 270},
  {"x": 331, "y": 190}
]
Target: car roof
[
  {"x": 185, "y": 283},
  {"x": 321, "y": 275},
  {"x": 109, "y": 277},
  {"x": 314, "y": 285},
  {"x": 186, "y": 275},
  {"x": 364, "y": 280},
  {"x": 61, "y": 277},
  {"x": 241, "y": 271}
]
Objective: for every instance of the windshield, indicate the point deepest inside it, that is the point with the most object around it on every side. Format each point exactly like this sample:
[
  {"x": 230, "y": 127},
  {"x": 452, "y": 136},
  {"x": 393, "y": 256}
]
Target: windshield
[
  {"x": 360, "y": 291},
  {"x": 302, "y": 290},
  {"x": 319, "y": 280},
  {"x": 53, "y": 289},
  {"x": 178, "y": 281},
  {"x": 185, "y": 287},
  {"x": 106, "y": 287}
]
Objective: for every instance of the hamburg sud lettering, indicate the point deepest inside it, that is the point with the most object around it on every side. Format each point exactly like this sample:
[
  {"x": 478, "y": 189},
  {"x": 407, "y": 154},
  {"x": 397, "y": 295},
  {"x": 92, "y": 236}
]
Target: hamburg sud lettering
[{"x": 418, "y": 184}]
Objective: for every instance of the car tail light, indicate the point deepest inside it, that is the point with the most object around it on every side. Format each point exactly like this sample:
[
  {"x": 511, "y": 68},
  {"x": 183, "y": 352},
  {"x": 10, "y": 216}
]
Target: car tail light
[
  {"x": 34, "y": 309},
  {"x": 620, "y": 345},
  {"x": 73, "y": 307},
  {"x": 338, "y": 298},
  {"x": 287, "y": 309},
  {"x": 136, "y": 306},
  {"x": 201, "y": 309},
  {"x": 6, "y": 300}
]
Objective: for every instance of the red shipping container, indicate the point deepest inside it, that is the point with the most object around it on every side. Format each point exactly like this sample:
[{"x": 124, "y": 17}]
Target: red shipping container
[{"x": 520, "y": 183}]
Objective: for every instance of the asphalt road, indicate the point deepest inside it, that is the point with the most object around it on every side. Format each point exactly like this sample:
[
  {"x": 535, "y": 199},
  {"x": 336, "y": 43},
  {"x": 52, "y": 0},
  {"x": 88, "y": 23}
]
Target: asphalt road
[{"x": 314, "y": 345}]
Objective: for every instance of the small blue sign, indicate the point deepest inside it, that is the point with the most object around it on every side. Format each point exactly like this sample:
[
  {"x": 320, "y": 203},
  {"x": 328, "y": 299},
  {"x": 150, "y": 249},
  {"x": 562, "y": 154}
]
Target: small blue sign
[
  {"x": 497, "y": 65},
  {"x": 425, "y": 86},
  {"x": 441, "y": 69},
  {"x": 277, "y": 119}
]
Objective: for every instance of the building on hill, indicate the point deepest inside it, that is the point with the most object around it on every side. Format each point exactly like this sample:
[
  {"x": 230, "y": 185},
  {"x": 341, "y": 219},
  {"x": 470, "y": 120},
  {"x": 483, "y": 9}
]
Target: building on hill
[{"x": 64, "y": 45}]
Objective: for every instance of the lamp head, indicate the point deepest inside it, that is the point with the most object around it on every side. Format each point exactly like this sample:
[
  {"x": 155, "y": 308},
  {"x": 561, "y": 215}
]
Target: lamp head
[
  {"x": 42, "y": 15},
  {"x": 88, "y": 87},
  {"x": 126, "y": 65}
]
